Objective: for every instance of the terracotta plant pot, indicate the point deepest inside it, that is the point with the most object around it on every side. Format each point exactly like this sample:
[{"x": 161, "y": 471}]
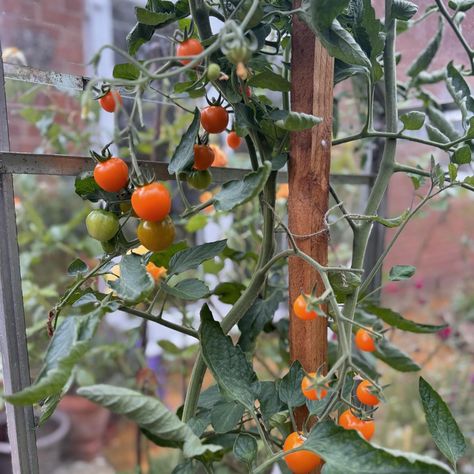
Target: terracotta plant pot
[
  {"x": 88, "y": 425},
  {"x": 49, "y": 440}
]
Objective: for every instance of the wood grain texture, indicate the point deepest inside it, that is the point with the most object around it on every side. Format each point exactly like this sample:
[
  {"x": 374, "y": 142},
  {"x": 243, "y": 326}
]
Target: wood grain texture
[{"x": 308, "y": 172}]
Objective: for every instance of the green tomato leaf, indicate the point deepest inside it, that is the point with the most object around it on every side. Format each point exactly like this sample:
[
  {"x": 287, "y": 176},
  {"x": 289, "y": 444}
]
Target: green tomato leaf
[
  {"x": 237, "y": 192},
  {"x": 460, "y": 91},
  {"x": 422, "y": 62},
  {"x": 441, "y": 423},
  {"x": 345, "y": 452},
  {"x": 270, "y": 80},
  {"x": 323, "y": 12},
  {"x": 191, "y": 289},
  {"x": 229, "y": 292},
  {"x": 196, "y": 222},
  {"x": 270, "y": 402},
  {"x": 89, "y": 190},
  {"x": 149, "y": 414},
  {"x": 183, "y": 156},
  {"x": 453, "y": 172},
  {"x": 462, "y": 155},
  {"x": 191, "y": 258},
  {"x": 396, "y": 320},
  {"x": 289, "y": 387},
  {"x": 394, "y": 357},
  {"x": 413, "y": 120},
  {"x": 225, "y": 415},
  {"x": 147, "y": 17},
  {"x": 135, "y": 283},
  {"x": 297, "y": 121},
  {"x": 461, "y": 5},
  {"x": 77, "y": 267},
  {"x": 139, "y": 35},
  {"x": 228, "y": 364},
  {"x": 436, "y": 135},
  {"x": 403, "y": 10},
  {"x": 127, "y": 71},
  {"x": 401, "y": 272},
  {"x": 245, "y": 448},
  {"x": 162, "y": 259},
  {"x": 439, "y": 120}
]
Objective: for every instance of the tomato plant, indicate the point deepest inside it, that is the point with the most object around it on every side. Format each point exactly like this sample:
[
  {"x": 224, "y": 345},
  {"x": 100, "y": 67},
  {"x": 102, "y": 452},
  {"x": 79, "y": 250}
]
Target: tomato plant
[
  {"x": 111, "y": 101},
  {"x": 243, "y": 418}
]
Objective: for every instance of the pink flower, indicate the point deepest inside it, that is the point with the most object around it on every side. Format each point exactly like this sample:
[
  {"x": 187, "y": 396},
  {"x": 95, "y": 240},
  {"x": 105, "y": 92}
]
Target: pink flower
[
  {"x": 419, "y": 283},
  {"x": 445, "y": 333}
]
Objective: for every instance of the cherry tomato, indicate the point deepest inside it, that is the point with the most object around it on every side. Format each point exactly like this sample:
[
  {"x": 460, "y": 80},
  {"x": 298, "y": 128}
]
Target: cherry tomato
[
  {"x": 102, "y": 225},
  {"x": 199, "y": 179},
  {"x": 203, "y": 157},
  {"x": 300, "y": 307},
  {"x": 312, "y": 393},
  {"x": 351, "y": 422},
  {"x": 213, "y": 72},
  {"x": 189, "y": 47},
  {"x": 151, "y": 202},
  {"x": 111, "y": 175},
  {"x": 365, "y": 395},
  {"x": 214, "y": 118},
  {"x": 156, "y": 236},
  {"x": 364, "y": 341},
  {"x": 233, "y": 140},
  {"x": 111, "y": 101},
  {"x": 301, "y": 462},
  {"x": 156, "y": 272}
]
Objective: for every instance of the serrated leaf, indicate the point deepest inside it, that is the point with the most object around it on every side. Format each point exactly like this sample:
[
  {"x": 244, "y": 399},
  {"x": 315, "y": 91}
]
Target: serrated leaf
[
  {"x": 270, "y": 80},
  {"x": 297, "y": 121},
  {"x": 401, "y": 272},
  {"x": 183, "y": 156},
  {"x": 149, "y": 414},
  {"x": 77, "y": 267},
  {"x": 229, "y": 292},
  {"x": 441, "y": 423},
  {"x": 190, "y": 289},
  {"x": 228, "y": 364},
  {"x": 413, "y": 120},
  {"x": 345, "y": 452},
  {"x": 343, "y": 71},
  {"x": 269, "y": 399},
  {"x": 422, "y": 62},
  {"x": 127, "y": 71},
  {"x": 254, "y": 320},
  {"x": 323, "y": 12},
  {"x": 403, "y": 10},
  {"x": 394, "y": 357},
  {"x": 462, "y": 155},
  {"x": 396, "y": 320},
  {"x": 453, "y": 172},
  {"x": 237, "y": 192},
  {"x": 244, "y": 119},
  {"x": 135, "y": 283},
  {"x": 438, "y": 119},
  {"x": 289, "y": 387},
  {"x": 162, "y": 259},
  {"x": 139, "y": 35},
  {"x": 86, "y": 187},
  {"x": 225, "y": 415},
  {"x": 436, "y": 135},
  {"x": 147, "y": 17},
  {"x": 191, "y": 258},
  {"x": 245, "y": 448},
  {"x": 460, "y": 92}
]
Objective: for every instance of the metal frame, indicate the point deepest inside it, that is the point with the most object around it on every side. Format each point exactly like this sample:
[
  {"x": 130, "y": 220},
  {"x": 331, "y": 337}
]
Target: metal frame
[{"x": 13, "y": 344}]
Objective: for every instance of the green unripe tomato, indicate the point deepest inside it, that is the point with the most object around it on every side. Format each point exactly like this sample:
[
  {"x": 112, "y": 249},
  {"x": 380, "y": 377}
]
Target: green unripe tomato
[
  {"x": 102, "y": 225},
  {"x": 199, "y": 179},
  {"x": 213, "y": 72},
  {"x": 240, "y": 54}
]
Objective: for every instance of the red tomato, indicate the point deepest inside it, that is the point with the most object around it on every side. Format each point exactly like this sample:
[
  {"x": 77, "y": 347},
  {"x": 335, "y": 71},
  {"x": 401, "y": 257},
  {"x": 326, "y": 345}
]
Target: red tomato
[
  {"x": 189, "y": 47},
  {"x": 300, "y": 308},
  {"x": 214, "y": 118},
  {"x": 233, "y": 140},
  {"x": 151, "y": 202},
  {"x": 301, "y": 462},
  {"x": 351, "y": 422},
  {"x": 111, "y": 175},
  {"x": 364, "y": 341},
  {"x": 203, "y": 157},
  {"x": 312, "y": 393},
  {"x": 365, "y": 395},
  {"x": 111, "y": 101}
]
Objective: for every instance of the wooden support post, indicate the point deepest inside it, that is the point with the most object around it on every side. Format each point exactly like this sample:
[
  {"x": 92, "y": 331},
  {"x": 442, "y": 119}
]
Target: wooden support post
[{"x": 308, "y": 173}]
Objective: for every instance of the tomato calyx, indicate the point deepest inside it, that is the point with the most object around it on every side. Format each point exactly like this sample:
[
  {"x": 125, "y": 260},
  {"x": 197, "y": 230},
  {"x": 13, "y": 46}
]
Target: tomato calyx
[
  {"x": 104, "y": 155},
  {"x": 313, "y": 387}
]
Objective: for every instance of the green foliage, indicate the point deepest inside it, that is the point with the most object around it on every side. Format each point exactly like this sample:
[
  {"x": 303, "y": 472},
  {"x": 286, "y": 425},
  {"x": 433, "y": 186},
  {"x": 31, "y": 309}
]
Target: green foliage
[{"x": 401, "y": 272}]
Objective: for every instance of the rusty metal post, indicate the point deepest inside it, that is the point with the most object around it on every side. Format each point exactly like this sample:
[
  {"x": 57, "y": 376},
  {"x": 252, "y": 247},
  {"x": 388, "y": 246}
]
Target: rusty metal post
[{"x": 308, "y": 172}]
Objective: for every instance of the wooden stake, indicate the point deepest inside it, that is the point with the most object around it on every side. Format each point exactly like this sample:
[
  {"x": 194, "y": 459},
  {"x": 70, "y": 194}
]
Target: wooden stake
[{"x": 308, "y": 173}]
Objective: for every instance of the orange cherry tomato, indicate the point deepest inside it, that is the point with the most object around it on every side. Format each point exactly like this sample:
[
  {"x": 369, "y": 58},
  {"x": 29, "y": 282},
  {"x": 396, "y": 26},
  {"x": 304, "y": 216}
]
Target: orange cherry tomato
[
  {"x": 233, "y": 140},
  {"x": 365, "y": 395},
  {"x": 111, "y": 175},
  {"x": 312, "y": 393},
  {"x": 364, "y": 341},
  {"x": 301, "y": 462},
  {"x": 300, "y": 309},
  {"x": 156, "y": 272},
  {"x": 214, "y": 118},
  {"x": 111, "y": 101},
  {"x": 151, "y": 202},
  {"x": 189, "y": 47},
  {"x": 351, "y": 422},
  {"x": 283, "y": 191},
  {"x": 156, "y": 236},
  {"x": 203, "y": 157}
]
